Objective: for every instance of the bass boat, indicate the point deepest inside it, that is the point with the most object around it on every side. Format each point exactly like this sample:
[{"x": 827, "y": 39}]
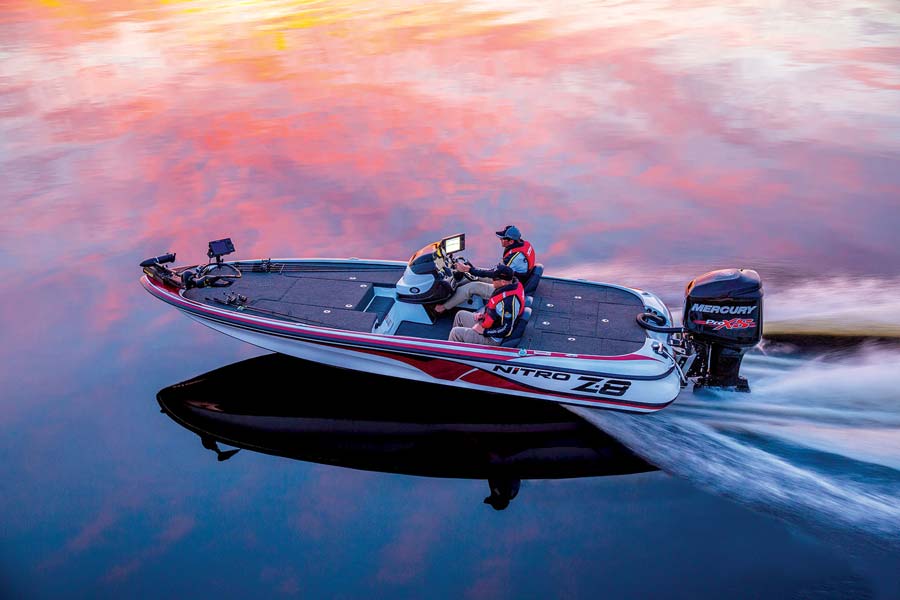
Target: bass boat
[{"x": 576, "y": 342}]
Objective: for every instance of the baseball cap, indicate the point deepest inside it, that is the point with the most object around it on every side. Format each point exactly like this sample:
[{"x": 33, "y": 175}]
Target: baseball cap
[
  {"x": 510, "y": 231},
  {"x": 503, "y": 272}
]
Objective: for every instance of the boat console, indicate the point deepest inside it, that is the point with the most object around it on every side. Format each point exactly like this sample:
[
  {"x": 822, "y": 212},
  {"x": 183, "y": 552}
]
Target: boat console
[{"x": 430, "y": 277}]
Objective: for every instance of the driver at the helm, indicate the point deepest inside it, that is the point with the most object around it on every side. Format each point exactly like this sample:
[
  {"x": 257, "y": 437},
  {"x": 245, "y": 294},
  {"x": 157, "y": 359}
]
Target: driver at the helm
[{"x": 518, "y": 254}]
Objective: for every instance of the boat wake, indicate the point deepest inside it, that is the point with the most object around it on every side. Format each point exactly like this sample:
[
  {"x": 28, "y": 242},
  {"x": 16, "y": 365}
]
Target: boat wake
[
  {"x": 816, "y": 442},
  {"x": 838, "y": 306}
]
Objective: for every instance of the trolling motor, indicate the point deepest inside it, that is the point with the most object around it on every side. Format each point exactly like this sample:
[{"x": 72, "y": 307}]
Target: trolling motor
[
  {"x": 216, "y": 273},
  {"x": 722, "y": 320},
  {"x": 159, "y": 260},
  {"x": 155, "y": 268}
]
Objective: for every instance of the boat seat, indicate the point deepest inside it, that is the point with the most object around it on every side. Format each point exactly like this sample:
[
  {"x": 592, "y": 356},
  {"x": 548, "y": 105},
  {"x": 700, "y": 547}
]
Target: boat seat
[
  {"x": 534, "y": 279},
  {"x": 516, "y": 336}
]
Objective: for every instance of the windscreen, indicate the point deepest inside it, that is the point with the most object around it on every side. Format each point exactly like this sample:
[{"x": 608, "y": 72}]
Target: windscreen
[{"x": 422, "y": 262}]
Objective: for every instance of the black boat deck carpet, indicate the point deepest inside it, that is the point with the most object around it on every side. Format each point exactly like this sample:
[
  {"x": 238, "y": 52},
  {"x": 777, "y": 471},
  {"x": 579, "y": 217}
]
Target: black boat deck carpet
[{"x": 568, "y": 316}]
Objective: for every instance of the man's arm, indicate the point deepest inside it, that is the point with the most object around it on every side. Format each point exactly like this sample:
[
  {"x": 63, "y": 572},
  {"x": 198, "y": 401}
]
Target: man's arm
[
  {"x": 489, "y": 273},
  {"x": 501, "y": 325}
]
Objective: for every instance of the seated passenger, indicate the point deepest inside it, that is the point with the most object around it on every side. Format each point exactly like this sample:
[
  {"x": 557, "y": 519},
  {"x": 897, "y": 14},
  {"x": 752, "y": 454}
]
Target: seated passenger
[
  {"x": 518, "y": 254},
  {"x": 504, "y": 307}
]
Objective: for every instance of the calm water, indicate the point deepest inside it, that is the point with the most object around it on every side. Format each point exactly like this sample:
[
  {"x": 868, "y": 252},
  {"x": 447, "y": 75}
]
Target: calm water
[{"x": 642, "y": 143}]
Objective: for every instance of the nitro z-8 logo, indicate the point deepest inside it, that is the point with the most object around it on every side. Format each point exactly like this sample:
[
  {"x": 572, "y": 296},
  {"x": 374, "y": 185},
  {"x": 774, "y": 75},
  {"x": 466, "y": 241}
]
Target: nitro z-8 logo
[
  {"x": 604, "y": 387},
  {"x": 586, "y": 383},
  {"x": 729, "y": 324}
]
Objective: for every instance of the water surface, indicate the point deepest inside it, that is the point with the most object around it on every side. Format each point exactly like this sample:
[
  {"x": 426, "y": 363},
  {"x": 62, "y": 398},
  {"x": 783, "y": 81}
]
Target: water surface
[{"x": 641, "y": 143}]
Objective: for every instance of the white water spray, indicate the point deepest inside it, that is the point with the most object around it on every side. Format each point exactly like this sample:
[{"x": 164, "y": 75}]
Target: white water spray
[{"x": 817, "y": 441}]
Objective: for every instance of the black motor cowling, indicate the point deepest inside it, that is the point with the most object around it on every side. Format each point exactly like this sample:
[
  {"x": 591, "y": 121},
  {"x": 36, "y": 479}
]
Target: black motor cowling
[{"x": 723, "y": 319}]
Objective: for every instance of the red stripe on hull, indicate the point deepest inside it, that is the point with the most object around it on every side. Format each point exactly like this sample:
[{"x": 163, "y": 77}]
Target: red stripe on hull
[
  {"x": 450, "y": 371},
  {"x": 438, "y": 368}
]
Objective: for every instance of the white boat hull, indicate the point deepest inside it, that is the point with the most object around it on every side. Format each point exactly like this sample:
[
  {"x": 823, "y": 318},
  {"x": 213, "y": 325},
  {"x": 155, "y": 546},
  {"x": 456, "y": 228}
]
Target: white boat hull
[
  {"x": 642, "y": 381},
  {"x": 554, "y": 383}
]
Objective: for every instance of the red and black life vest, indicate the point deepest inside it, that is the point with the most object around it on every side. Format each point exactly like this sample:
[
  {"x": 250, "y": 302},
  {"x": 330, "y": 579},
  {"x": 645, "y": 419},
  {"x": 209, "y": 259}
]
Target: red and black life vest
[
  {"x": 496, "y": 323},
  {"x": 521, "y": 246}
]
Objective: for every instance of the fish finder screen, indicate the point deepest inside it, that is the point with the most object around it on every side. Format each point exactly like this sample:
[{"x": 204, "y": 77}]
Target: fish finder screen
[
  {"x": 454, "y": 244},
  {"x": 221, "y": 247}
]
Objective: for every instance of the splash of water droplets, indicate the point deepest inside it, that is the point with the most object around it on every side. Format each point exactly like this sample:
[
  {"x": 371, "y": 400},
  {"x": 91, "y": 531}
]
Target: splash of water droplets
[{"x": 816, "y": 442}]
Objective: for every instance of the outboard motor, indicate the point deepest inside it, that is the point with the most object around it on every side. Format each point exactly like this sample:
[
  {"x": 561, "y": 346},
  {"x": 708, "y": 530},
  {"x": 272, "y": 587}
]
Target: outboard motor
[{"x": 723, "y": 319}]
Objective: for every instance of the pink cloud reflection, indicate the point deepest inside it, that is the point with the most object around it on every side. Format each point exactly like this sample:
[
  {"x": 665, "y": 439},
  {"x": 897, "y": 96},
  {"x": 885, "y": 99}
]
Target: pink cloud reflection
[
  {"x": 177, "y": 528},
  {"x": 297, "y": 142},
  {"x": 407, "y": 556}
]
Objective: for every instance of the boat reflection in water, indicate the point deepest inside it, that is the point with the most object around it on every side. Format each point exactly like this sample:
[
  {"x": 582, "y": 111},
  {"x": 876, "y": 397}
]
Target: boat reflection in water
[{"x": 289, "y": 407}]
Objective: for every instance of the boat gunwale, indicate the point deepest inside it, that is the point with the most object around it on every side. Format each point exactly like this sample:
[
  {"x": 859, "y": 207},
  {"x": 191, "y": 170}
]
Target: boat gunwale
[
  {"x": 421, "y": 346},
  {"x": 398, "y": 263}
]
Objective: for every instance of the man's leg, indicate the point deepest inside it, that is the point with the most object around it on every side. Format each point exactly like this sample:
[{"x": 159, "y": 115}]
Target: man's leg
[
  {"x": 464, "y": 292},
  {"x": 464, "y": 318},
  {"x": 470, "y": 336},
  {"x": 462, "y": 330}
]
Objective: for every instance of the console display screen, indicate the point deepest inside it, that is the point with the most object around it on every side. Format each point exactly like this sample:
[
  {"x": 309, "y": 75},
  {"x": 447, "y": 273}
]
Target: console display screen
[{"x": 454, "y": 243}]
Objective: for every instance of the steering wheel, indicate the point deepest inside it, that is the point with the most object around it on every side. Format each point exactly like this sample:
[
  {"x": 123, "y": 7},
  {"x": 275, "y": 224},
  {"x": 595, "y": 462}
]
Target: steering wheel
[
  {"x": 467, "y": 275},
  {"x": 219, "y": 274}
]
